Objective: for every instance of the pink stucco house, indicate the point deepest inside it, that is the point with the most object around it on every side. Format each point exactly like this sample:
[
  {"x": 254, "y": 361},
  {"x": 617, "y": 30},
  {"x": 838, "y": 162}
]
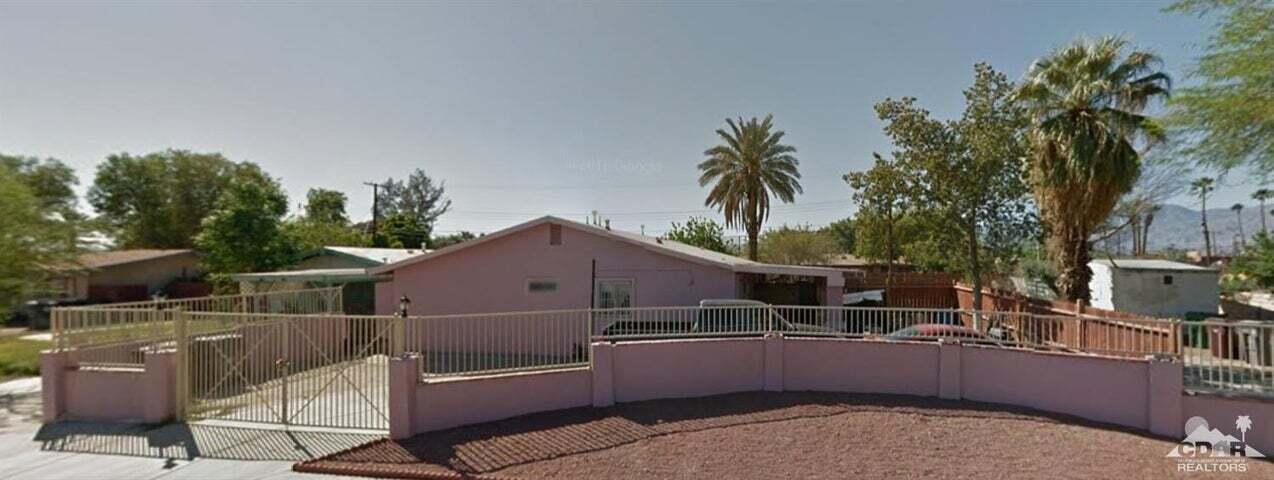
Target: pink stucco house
[{"x": 550, "y": 263}]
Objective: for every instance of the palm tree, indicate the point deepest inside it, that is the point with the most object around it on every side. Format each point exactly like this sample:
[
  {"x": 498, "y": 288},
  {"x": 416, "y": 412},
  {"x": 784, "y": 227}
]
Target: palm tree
[
  {"x": 1085, "y": 101},
  {"x": 751, "y": 165},
  {"x": 1261, "y": 196},
  {"x": 1202, "y": 187},
  {"x": 1238, "y": 216}
]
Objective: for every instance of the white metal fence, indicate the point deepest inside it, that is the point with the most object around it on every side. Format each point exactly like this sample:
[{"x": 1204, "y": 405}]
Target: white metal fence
[{"x": 119, "y": 334}]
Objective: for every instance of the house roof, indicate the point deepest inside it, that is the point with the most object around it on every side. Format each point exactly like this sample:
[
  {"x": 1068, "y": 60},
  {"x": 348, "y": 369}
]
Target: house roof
[
  {"x": 375, "y": 256},
  {"x": 327, "y": 275},
  {"x": 654, "y": 244},
  {"x": 1151, "y": 264},
  {"x": 121, "y": 257}
]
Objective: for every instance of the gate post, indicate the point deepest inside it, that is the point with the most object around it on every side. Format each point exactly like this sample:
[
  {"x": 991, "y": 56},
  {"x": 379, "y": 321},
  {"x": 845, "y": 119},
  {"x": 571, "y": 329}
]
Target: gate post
[{"x": 182, "y": 341}]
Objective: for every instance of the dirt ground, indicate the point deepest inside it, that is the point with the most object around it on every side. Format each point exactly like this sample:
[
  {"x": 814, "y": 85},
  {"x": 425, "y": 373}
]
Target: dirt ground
[{"x": 777, "y": 435}]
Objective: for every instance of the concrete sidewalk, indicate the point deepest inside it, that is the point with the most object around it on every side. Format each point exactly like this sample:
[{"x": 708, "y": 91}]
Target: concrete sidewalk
[{"x": 88, "y": 450}]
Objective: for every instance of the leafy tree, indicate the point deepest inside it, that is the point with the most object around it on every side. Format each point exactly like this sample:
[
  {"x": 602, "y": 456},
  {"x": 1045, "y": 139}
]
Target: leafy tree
[
  {"x": 1085, "y": 101},
  {"x": 700, "y": 232},
  {"x": 1257, "y": 261},
  {"x": 843, "y": 232},
  {"x": 31, "y": 240},
  {"x": 1227, "y": 119},
  {"x": 245, "y": 232},
  {"x": 326, "y": 206},
  {"x": 1202, "y": 187},
  {"x": 49, "y": 180},
  {"x": 883, "y": 195},
  {"x": 159, "y": 200},
  {"x": 417, "y": 203},
  {"x": 402, "y": 230},
  {"x": 751, "y": 165},
  {"x": 802, "y": 245},
  {"x": 445, "y": 241},
  {"x": 1161, "y": 178},
  {"x": 966, "y": 173}
]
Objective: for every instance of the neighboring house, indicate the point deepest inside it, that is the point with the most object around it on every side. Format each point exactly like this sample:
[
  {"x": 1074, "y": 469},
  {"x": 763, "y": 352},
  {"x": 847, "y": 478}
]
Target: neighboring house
[
  {"x": 551, "y": 263},
  {"x": 331, "y": 266},
  {"x": 1154, "y": 287},
  {"x": 124, "y": 275}
]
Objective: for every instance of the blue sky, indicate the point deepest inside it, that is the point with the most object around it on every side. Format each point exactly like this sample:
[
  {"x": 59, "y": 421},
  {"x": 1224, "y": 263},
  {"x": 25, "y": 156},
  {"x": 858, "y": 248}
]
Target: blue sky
[{"x": 524, "y": 108}]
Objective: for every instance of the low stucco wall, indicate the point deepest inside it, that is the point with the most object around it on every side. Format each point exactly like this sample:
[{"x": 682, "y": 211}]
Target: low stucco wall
[
  {"x": 141, "y": 395},
  {"x": 1222, "y": 411},
  {"x": 832, "y": 365},
  {"x": 686, "y": 368},
  {"x": 1141, "y": 394},
  {"x": 1111, "y": 390},
  {"x": 447, "y": 403}
]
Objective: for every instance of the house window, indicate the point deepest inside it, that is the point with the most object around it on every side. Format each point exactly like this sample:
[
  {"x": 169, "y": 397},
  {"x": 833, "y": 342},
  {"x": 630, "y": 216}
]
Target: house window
[
  {"x": 613, "y": 293},
  {"x": 541, "y": 285},
  {"x": 555, "y": 234},
  {"x": 1167, "y": 279}
]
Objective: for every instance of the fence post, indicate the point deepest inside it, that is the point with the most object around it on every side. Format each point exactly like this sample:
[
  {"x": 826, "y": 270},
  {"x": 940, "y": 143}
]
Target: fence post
[{"x": 182, "y": 342}]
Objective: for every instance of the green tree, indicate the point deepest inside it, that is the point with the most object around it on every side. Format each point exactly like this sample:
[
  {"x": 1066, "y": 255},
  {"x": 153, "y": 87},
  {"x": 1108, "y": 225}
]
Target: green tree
[
  {"x": 883, "y": 195},
  {"x": 843, "y": 231},
  {"x": 749, "y": 166},
  {"x": 700, "y": 232},
  {"x": 49, "y": 180},
  {"x": 159, "y": 200},
  {"x": 967, "y": 175},
  {"x": 1202, "y": 187},
  {"x": 31, "y": 239},
  {"x": 1226, "y": 120},
  {"x": 326, "y": 206},
  {"x": 801, "y": 245},
  {"x": 1086, "y": 102},
  {"x": 402, "y": 230},
  {"x": 444, "y": 241},
  {"x": 245, "y": 232},
  {"x": 1256, "y": 263},
  {"x": 417, "y": 204}
]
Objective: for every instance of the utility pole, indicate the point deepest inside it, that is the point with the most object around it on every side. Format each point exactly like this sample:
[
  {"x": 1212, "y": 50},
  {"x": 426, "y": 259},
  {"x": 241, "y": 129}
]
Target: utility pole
[{"x": 375, "y": 204}]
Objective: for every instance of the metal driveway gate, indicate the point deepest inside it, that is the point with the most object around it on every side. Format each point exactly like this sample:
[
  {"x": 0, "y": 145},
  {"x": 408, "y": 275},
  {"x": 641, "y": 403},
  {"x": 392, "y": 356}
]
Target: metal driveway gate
[{"x": 313, "y": 370}]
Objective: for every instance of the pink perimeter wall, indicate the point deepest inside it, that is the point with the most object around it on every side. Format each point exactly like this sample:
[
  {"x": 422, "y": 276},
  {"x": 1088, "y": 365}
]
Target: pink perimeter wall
[
  {"x": 442, "y": 404},
  {"x": 1104, "y": 389},
  {"x": 492, "y": 277},
  {"x": 686, "y": 368},
  {"x": 1221, "y": 412}
]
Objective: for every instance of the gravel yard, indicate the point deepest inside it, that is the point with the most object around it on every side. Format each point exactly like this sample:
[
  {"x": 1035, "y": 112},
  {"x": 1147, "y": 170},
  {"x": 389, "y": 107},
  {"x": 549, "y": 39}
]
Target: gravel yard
[{"x": 777, "y": 435}]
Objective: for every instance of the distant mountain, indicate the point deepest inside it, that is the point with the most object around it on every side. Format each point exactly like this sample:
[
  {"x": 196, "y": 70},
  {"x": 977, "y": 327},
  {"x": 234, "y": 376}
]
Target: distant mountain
[{"x": 1176, "y": 226}]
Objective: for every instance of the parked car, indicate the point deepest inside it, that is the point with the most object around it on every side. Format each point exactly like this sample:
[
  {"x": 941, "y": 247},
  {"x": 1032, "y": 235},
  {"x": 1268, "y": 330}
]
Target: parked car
[{"x": 936, "y": 331}]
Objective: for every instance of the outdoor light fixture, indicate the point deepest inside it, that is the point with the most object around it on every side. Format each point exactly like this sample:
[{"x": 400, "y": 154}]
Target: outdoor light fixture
[{"x": 403, "y": 303}]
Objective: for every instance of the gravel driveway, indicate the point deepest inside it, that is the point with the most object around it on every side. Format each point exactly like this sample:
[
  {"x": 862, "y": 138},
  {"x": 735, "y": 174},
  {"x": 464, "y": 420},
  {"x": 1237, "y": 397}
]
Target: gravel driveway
[{"x": 777, "y": 435}]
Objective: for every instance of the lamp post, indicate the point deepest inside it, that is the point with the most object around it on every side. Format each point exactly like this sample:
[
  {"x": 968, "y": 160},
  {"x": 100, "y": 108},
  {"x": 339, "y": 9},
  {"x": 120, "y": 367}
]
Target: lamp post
[{"x": 399, "y": 332}]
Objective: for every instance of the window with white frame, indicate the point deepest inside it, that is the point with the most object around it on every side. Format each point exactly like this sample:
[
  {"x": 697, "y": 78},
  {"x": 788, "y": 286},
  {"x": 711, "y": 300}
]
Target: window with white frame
[{"x": 613, "y": 293}]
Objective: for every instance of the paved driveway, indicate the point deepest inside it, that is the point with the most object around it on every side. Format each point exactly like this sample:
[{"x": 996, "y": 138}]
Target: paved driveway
[{"x": 86, "y": 450}]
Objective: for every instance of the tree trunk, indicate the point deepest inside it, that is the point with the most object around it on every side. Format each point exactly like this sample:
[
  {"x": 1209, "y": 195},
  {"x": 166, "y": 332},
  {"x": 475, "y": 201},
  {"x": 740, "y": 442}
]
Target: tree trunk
[
  {"x": 1073, "y": 272},
  {"x": 975, "y": 275},
  {"x": 1238, "y": 215},
  {"x": 1145, "y": 233},
  {"x": 1264, "y": 229},
  {"x": 1207, "y": 239},
  {"x": 752, "y": 243}
]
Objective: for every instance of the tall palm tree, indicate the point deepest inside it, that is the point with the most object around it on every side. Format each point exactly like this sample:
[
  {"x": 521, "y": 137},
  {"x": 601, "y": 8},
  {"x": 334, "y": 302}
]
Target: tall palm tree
[
  {"x": 1238, "y": 216},
  {"x": 1261, "y": 196},
  {"x": 1085, "y": 101},
  {"x": 1202, "y": 187},
  {"x": 748, "y": 167}
]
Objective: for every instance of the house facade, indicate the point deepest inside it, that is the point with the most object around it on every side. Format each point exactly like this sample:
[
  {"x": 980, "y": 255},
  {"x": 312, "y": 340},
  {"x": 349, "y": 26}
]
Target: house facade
[
  {"x": 124, "y": 275},
  {"x": 551, "y": 263},
  {"x": 1158, "y": 288}
]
